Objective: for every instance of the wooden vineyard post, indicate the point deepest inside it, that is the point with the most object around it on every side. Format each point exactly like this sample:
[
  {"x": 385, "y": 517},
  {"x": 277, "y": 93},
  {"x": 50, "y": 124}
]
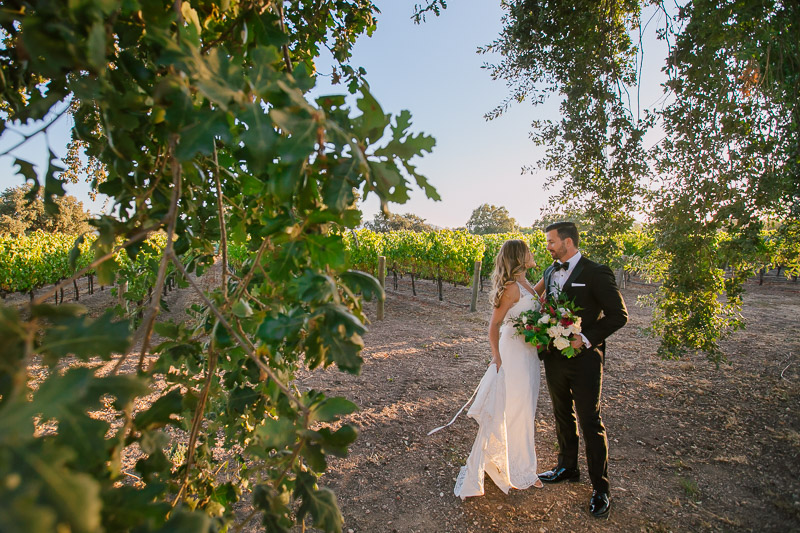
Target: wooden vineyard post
[
  {"x": 476, "y": 279},
  {"x": 382, "y": 280},
  {"x": 439, "y": 281}
]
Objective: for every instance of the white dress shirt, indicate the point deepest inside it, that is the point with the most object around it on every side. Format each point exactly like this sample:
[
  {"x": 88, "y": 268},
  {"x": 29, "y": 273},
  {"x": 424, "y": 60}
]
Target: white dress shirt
[{"x": 560, "y": 277}]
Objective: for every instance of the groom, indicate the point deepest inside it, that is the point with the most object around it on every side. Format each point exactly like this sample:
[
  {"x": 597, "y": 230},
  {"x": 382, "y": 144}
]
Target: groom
[{"x": 575, "y": 383}]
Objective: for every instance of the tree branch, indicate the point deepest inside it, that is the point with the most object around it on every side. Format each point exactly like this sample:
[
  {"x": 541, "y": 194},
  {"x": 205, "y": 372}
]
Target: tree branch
[
  {"x": 172, "y": 217},
  {"x": 223, "y": 232},
  {"x": 196, "y": 421},
  {"x": 26, "y": 138},
  {"x": 242, "y": 342}
]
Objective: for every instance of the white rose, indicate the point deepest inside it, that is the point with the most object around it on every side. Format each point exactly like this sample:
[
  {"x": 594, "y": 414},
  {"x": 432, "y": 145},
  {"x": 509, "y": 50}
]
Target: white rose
[
  {"x": 574, "y": 329},
  {"x": 560, "y": 343},
  {"x": 525, "y": 319},
  {"x": 578, "y": 321},
  {"x": 545, "y": 319},
  {"x": 556, "y": 331}
]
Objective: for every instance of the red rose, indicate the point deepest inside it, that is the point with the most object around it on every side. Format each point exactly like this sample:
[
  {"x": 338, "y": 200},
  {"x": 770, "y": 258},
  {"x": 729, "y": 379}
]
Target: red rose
[
  {"x": 566, "y": 322},
  {"x": 528, "y": 327}
]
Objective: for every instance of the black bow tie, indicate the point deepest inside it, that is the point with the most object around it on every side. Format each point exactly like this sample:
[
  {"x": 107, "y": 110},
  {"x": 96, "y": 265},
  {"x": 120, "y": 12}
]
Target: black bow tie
[{"x": 560, "y": 266}]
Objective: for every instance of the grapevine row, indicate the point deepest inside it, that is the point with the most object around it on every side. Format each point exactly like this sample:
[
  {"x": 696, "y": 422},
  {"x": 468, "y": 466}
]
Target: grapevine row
[{"x": 38, "y": 259}]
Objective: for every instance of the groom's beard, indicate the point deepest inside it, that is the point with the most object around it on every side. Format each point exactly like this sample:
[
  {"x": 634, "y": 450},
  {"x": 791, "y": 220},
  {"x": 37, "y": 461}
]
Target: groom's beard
[{"x": 558, "y": 253}]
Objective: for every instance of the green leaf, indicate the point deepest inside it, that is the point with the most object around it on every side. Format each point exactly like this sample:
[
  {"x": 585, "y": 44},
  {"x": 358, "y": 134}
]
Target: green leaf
[
  {"x": 154, "y": 467},
  {"x": 276, "y": 515},
  {"x": 261, "y": 73},
  {"x": 329, "y": 409},
  {"x": 371, "y": 124},
  {"x": 276, "y": 433},
  {"x": 336, "y": 443},
  {"x": 286, "y": 260},
  {"x": 74, "y": 495},
  {"x": 422, "y": 182},
  {"x": 75, "y": 251},
  {"x": 126, "y": 507},
  {"x": 240, "y": 399},
  {"x": 326, "y": 250},
  {"x": 124, "y": 388},
  {"x": 58, "y": 312},
  {"x": 335, "y": 337},
  {"x": 283, "y": 326},
  {"x": 27, "y": 169},
  {"x": 337, "y": 190},
  {"x": 312, "y": 453},
  {"x": 362, "y": 282},
  {"x": 302, "y": 131},
  {"x": 160, "y": 413},
  {"x": 219, "y": 79},
  {"x": 320, "y": 503},
  {"x": 55, "y": 395},
  {"x": 96, "y": 44},
  {"x": 388, "y": 181},
  {"x": 22, "y": 513},
  {"x": 183, "y": 521},
  {"x": 312, "y": 287},
  {"x": 242, "y": 309},
  {"x": 85, "y": 338},
  {"x": 53, "y": 187},
  {"x": 198, "y": 137},
  {"x": 259, "y": 138},
  {"x": 86, "y": 436}
]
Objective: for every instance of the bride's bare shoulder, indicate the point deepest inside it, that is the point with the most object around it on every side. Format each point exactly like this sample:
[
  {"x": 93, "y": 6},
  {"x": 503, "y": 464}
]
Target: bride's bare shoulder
[{"x": 511, "y": 292}]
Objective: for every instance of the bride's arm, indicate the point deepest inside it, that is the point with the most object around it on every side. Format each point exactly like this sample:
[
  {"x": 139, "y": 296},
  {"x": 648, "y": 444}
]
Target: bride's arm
[
  {"x": 539, "y": 287},
  {"x": 507, "y": 300}
]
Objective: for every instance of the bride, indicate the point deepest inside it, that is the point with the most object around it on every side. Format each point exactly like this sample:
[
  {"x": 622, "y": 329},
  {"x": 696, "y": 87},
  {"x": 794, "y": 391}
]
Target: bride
[{"x": 505, "y": 402}]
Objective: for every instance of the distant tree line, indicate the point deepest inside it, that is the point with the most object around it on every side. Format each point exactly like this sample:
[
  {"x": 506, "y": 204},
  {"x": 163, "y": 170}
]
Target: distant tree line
[{"x": 22, "y": 211}]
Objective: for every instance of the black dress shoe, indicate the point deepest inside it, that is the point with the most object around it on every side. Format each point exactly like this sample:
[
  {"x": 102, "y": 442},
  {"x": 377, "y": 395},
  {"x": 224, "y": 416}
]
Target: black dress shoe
[
  {"x": 599, "y": 505},
  {"x": 558, "y": 474}
]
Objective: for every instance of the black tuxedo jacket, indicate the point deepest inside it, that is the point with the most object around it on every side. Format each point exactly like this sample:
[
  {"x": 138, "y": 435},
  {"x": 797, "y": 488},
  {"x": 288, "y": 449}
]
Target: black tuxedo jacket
[{"x": 593, "y": 288}]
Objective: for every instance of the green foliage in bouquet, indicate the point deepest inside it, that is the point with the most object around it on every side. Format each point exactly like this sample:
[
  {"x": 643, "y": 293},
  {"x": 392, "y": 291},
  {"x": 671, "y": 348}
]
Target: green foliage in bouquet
[{"x": 550, "y": 326}]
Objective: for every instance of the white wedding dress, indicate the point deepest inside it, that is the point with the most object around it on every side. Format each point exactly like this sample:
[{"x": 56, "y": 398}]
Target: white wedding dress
[{"x": 505, "y": 408}]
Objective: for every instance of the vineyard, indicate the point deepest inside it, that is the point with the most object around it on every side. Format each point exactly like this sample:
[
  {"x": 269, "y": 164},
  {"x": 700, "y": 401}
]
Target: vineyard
[{"x": 39, "y": 259}]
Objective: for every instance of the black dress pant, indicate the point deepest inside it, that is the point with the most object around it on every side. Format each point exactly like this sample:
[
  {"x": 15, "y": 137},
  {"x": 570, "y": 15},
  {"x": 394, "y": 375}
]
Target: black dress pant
[{"x": 575, "y": 385}]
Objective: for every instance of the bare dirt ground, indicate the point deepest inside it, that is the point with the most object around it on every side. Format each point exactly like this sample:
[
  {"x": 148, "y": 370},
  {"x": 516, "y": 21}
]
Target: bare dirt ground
[{"x": 692, "y": 447}]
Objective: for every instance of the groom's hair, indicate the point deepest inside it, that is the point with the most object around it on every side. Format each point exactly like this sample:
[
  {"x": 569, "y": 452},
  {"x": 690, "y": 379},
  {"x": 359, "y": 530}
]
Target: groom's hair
[{"x": 565, "y": 229}]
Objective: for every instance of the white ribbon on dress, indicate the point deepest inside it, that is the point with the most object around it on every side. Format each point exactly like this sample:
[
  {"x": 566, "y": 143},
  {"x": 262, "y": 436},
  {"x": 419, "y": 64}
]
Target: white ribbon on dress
[{"x": 431, "y": 432}]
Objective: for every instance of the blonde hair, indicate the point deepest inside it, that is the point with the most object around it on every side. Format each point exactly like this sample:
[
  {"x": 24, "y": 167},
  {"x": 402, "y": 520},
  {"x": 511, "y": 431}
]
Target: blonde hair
[{"x": 509, "y": 263}]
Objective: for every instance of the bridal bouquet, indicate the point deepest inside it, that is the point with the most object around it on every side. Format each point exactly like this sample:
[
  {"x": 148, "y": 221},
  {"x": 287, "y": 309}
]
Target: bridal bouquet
[{"x": 555, "y": 323}]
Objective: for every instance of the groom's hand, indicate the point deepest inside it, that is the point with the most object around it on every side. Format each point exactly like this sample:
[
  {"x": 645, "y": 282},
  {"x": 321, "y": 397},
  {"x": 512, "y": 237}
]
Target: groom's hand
[{"x": 577, "y": 343}]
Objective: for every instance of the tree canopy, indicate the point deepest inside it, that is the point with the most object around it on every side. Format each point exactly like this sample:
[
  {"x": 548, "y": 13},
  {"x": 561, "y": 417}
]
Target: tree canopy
[
  {"x": 383, "y": 223},
  {"x": 487, "y": 219},
  {"x": 199, "y": 118},
  {"x": 729, "y": 158},
  {"x": 22, "y": 211}
]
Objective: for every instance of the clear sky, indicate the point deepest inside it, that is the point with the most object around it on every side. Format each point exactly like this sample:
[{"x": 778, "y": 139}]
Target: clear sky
[{"x": 433, "y": 70}]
